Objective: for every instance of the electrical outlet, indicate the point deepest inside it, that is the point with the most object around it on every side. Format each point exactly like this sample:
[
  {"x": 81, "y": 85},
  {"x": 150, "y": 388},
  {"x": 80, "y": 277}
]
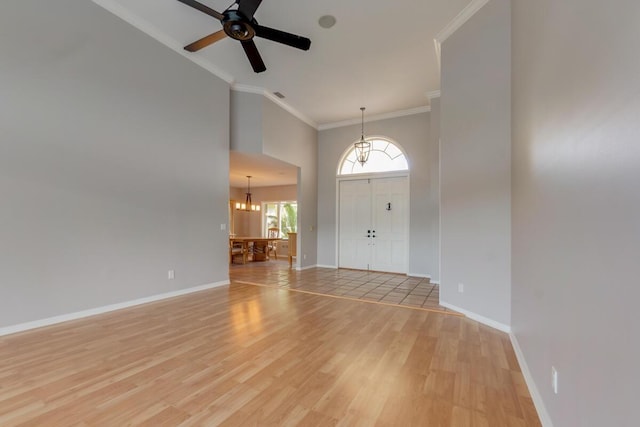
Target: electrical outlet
[
  {"x": 171, "y": 275},
  {"x": 554, "y": 380},
  {"x": 223, "y": 227},
  {"x": 461, "y": 287},
  {"x": 304, "y": 256}
]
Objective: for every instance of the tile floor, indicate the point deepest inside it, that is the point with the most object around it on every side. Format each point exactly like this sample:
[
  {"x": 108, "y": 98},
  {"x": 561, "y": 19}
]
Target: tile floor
[{"x": 389, "y": 288}]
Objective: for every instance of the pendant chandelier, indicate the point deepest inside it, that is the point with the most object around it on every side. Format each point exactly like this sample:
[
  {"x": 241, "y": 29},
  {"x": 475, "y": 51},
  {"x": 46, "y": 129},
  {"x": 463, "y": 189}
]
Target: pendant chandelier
[
  {"x": 363, "y": 147},
  {"x": 247, "y": 205}
]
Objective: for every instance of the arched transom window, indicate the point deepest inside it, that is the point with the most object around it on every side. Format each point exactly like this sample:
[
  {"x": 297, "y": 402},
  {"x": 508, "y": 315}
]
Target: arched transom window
[{"x": 385, "y": 157}]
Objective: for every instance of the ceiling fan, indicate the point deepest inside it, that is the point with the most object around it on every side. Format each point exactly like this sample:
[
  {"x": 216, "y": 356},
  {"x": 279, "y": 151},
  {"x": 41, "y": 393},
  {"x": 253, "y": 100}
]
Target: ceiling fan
[{"x": 239, "y": 24}]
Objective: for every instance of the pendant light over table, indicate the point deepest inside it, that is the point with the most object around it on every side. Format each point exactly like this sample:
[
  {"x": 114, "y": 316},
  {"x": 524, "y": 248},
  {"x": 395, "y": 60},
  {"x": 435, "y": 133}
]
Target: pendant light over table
[{"x": 247, "y": 205}]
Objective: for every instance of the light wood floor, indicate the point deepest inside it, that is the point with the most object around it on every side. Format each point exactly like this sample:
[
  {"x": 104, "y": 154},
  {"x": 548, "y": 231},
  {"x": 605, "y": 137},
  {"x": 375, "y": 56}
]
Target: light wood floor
[{"x": 254, "y": 356}]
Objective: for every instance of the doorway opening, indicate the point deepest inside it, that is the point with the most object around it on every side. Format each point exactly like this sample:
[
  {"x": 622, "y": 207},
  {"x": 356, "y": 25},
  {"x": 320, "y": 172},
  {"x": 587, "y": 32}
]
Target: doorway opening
[{"x": 264, "y": 233}]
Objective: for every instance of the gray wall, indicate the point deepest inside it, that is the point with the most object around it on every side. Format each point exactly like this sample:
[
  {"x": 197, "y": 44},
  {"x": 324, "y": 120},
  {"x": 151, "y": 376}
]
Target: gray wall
[
  {"x": 475, "y": 165},
  {"x": 576, "y": 205},
  {"x": 412, "y": 134},
  {"x": 261, "y": 126},
  {"x": 246, "y": 122},
  {"x": 433, "y": 213},
  {"x": 113, "y": 163},
  {"x": 289, "y": 139}
]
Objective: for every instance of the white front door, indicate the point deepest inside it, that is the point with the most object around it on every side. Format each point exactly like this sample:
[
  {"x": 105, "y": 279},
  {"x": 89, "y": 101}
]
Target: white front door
[
  {"x": 373, "y": 224},
  {"x": 389, "y": 224},
  {"x": 354, "y": 218}
]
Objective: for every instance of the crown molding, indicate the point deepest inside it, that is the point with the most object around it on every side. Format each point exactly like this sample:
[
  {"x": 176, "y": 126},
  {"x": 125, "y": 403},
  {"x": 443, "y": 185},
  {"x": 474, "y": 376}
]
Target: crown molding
[
  {"x": 153, "y": 31},
  {"x": 457, "y": 22},
  {"x": 433, "y": 94},
  {"x": 375, "y": 118},
  {"x": 238, "y": 87},
  {"x": 438, "y": 49}
]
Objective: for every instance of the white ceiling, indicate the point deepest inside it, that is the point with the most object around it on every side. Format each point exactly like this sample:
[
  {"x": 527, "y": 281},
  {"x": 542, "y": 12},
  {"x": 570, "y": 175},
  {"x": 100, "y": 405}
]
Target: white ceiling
[
  {"x": 380, "y": 54},
  {"x": 265, "y": 171}
]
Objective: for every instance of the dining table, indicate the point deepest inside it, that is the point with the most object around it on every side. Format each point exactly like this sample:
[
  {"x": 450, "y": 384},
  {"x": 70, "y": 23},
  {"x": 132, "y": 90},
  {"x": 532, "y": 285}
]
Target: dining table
[{"x": 254, "y": 242}]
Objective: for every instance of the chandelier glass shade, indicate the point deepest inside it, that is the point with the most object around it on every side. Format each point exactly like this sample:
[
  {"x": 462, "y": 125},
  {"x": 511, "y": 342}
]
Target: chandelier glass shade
[
  {"x": 248, "y": 205},
  {"x": 362, "y": 147}
]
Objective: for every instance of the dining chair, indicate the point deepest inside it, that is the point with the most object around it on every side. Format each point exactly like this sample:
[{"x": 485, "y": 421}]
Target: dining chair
[
  {"x": 272, "y": 233},
  {"x": 237, "y": 249}
]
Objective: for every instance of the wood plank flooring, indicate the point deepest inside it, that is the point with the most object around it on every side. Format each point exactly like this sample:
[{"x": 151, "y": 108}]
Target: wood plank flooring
[{"x": 245, "y": 355}]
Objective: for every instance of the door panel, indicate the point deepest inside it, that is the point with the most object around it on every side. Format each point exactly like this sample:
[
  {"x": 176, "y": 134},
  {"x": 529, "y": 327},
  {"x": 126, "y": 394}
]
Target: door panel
[
  {"x": 389, "y": 220},
  {"x": 354, "y": 218}
]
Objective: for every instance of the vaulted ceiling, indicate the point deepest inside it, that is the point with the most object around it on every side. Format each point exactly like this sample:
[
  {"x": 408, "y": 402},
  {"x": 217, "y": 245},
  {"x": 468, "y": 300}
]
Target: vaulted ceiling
[{"x": 380, "y": 54}]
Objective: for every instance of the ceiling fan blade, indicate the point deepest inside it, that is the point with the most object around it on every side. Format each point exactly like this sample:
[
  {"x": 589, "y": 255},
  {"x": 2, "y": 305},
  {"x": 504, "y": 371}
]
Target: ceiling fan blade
[
  {"x": 254, "y": 56},
  {"x": 202, "y": 8},
  {"x": 248, "y": 7},
  {"x": 205, "y": 41},
  {"x": 281, "y": 37}
]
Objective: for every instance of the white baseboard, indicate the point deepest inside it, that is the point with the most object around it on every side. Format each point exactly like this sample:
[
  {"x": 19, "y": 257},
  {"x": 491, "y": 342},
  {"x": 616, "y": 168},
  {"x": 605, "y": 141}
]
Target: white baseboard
[
  {"x": 309, "y": 267},
  {"x": 104, "y": 309},
  {"x": 478, "y": 318},
  {"x": 545, "y": 419},
  {"x": 422, "y": 276},
  {"x": 333, "y": 267}
]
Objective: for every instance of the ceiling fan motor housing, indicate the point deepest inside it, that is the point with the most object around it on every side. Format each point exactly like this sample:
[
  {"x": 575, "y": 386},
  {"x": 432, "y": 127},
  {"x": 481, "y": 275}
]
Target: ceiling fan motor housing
[{"x": 237, "y": 26}]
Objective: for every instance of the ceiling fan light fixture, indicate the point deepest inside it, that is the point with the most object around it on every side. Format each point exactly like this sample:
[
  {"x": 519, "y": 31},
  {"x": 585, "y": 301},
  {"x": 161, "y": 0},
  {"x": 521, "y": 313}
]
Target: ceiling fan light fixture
[{"x": 362, "y": 147}]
